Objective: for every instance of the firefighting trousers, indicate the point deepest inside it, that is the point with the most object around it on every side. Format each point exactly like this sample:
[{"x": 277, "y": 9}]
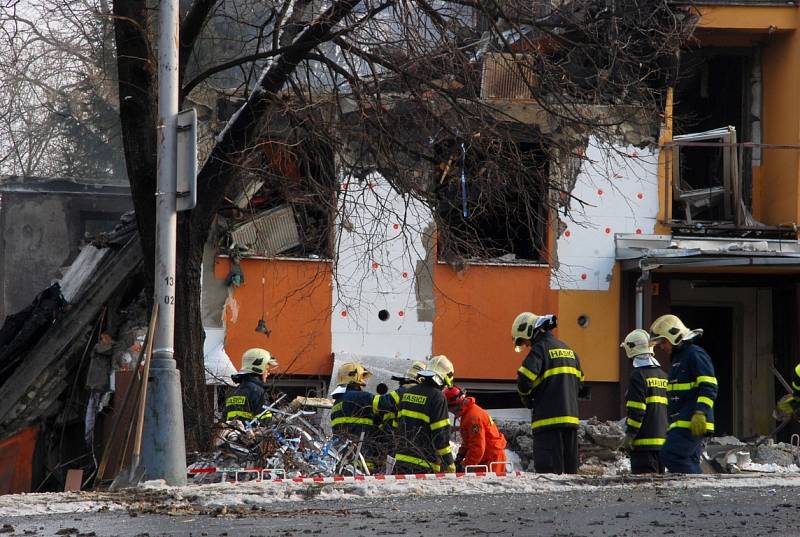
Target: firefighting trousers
[
  {"x": 555, "y": 451},
  {"x": 646, "y": 462},
  {"x": 681, "y": 452}
]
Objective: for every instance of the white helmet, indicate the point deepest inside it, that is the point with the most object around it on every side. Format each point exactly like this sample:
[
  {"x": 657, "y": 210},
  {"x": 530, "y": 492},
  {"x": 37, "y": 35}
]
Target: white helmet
[
  {"x": 672, "y": 329},
  {"x": 637, "y": 343},
  {"x": 526, "y": 323},
  {"x": 257, "y": 361}
]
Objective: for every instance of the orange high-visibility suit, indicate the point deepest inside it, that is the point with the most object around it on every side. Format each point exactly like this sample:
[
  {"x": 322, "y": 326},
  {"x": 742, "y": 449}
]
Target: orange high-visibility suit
[{"x": 481, "y": 441}]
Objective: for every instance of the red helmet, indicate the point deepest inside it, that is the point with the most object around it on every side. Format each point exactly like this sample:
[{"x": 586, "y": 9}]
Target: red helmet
[{"x": 455, "y": 396}]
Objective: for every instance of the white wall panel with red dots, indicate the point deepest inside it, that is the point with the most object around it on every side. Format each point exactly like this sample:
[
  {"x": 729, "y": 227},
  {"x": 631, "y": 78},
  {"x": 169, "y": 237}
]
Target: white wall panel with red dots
[
  {"x": 378, "y": 244},
  {"x": 616, "y": 191}
]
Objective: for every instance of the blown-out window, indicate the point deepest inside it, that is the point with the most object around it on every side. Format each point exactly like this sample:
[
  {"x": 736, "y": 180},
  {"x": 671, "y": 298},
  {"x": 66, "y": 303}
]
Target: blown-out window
[{"x": 492, "y": 201}]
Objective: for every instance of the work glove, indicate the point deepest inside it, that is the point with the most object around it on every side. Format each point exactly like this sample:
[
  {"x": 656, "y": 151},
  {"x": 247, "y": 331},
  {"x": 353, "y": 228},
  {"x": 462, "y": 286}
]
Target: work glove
[
  {"x": 786, "y": 407},
  {"x": 698, "y": 424},
  {"x": 450, "y": 469},
  {"x": 627, "y": 443}
]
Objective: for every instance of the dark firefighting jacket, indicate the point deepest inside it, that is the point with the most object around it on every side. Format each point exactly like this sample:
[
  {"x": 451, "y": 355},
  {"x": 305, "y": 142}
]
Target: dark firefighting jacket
[
  {"x": 352, "y": 413},
  {"x": 646, "y": 402},
  {"x": 423, "y": 428},
  {"x": 384, "y": 407},
  {"x": 549, "y": 381},
  {"x": 692, "y": 386},
  {"x": 248, "y": 398},
  {"x": 481, "y": 441}
]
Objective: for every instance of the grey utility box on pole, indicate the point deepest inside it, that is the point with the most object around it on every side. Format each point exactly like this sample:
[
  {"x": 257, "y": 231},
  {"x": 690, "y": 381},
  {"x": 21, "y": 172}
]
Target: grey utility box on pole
[
  {"x": 187, "y": 160},
  {"x": 163, "y": 444}
]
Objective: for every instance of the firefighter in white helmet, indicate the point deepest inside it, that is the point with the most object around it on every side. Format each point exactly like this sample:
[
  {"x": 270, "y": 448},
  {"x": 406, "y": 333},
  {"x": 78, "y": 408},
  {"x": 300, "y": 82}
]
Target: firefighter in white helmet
[
  {"x": 549, "y": 382},
  {"x": 249, "y": 397},
  {"x": 691, "y": 391},
  {"x": 646, "y": 405},
  {"x": 423, "y": 422}
]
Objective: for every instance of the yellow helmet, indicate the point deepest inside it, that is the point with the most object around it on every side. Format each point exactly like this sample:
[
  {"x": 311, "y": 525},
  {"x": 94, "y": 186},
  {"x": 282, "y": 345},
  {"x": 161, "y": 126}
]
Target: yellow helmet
[
  {"x": 414, "y": 369},
  {"x": 672, "y": 329},
  {"x": 257, "y": 361},
  {"x": 441, "y": 369},
  {"x": 352, "y": 373},
  {"x": 636, "y": 343},
  {"x": 526, "y": 323}
]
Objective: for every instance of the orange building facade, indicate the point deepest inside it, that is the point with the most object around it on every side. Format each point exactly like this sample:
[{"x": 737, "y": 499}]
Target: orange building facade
[{"x": 615, "y": 266}]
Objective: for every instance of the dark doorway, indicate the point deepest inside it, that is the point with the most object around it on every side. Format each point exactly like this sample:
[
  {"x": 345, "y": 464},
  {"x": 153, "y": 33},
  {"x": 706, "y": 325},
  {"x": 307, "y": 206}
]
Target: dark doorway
[{"x": 717, "y": 340}]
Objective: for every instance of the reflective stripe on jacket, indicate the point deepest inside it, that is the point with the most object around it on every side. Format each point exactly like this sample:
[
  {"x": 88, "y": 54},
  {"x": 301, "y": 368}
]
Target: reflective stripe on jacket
[
  {"x": 423, "y": 429},
  {"x": 481, "y": 441},
  {"x": 352, "y": 413},
  {"x": 246, "y": 400},
  {"x": 385, "y": 406},
  {"x": 646, "y": 404},
  {"x": 549, "y": 380},
  {"x": 692, "y": 386}
]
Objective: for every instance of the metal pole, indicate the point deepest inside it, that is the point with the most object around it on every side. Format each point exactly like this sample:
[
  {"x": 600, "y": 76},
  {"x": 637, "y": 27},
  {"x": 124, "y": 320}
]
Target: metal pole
[
  {"x": 163, "y": 445},
  {"x": 640, "y": 283}
]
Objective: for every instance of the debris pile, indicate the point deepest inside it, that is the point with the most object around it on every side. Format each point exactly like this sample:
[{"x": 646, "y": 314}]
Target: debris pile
[
  {"x": 728, "y": 454},
  {"x": 288, "y": 443},
  {"x": 598, "y": 442}
]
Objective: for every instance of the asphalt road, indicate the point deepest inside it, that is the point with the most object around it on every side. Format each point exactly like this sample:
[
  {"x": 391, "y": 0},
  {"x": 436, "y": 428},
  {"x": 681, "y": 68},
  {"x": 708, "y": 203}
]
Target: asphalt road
[{"x": 640, "y": 510}]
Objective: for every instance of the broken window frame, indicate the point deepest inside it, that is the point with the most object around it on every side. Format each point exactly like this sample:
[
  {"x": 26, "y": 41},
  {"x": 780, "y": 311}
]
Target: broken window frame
[{"x": 731, "y": 175}]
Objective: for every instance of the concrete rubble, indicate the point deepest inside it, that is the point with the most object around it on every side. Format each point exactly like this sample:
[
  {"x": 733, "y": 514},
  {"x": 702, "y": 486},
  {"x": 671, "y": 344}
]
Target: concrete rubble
[
  {"x": 728, "y": 454},
  {"x": 599, "y": 443}
]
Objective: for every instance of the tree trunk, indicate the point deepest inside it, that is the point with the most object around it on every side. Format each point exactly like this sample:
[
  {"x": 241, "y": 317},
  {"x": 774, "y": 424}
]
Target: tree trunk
[
  {"x": 189, "y": 337},
  {"x": 138, "y": 118}
]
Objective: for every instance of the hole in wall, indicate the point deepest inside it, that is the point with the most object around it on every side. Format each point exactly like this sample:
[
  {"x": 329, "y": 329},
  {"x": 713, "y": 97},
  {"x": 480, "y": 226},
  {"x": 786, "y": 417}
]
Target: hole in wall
[
  {"x": 583, "y": 321},
  {"x": 383, "y": 315}
]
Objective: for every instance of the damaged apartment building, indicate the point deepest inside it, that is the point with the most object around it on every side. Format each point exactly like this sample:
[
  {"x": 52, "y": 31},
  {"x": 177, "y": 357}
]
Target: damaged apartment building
[{"x": 697, "y": 217}]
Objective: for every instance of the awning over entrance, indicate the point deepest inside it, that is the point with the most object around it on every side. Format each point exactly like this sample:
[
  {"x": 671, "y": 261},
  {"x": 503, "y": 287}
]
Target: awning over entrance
[{"x": 665, "y": 252}]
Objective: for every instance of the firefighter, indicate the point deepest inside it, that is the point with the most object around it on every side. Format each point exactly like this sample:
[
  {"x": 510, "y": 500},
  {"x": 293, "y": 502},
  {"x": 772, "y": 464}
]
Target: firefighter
[
  {"x": 423, "y": 425},
  {"x": 481, "y": 441},
  {"x": 691, "y": 390},
  {"x": 549, "y": 382},
  {"x": 646, "y": 403},
  {"x": 385, "y": 406},
  {"x": 789, "y": 405},
  {"x": 352, "y": 409},
  {"x": 248, "y": 399}
]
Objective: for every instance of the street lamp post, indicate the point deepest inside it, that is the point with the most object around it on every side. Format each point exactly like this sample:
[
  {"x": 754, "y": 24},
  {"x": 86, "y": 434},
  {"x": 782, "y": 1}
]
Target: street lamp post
[{"x": 163, "y": 445}]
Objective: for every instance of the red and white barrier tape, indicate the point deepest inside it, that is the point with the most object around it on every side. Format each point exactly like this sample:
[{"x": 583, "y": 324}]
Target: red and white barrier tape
[{"x": 264, "y": 475}]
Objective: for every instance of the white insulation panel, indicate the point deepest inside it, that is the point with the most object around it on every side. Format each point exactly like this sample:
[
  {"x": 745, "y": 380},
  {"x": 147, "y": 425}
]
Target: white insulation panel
[
  {"x": 616, "y": 191},
  {"x": 378, "y": 246}
]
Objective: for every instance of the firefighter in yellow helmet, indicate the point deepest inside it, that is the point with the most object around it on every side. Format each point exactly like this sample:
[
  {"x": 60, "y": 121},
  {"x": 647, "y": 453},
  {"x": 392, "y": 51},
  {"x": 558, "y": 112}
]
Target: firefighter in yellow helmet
[
  {"x": 352, "y": 415},
  {"x": 352, "y": 410},
  {"x": 549, "y": 382},
  {"x": 249, "y": 397},
  {"x": 691, "y": 391},
  {"x": 646, "y": 404},
  {"x": 423, "y": 422}
]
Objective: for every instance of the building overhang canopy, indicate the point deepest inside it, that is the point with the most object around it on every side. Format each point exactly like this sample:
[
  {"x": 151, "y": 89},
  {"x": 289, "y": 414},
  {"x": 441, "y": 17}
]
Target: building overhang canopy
[{"x": 665, "y": 252}]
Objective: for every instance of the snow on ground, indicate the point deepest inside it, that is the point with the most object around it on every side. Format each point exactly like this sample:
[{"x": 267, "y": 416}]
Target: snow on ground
[
  {"x": 54, "y": 503},
  {"x": 156, "y": 495}
]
